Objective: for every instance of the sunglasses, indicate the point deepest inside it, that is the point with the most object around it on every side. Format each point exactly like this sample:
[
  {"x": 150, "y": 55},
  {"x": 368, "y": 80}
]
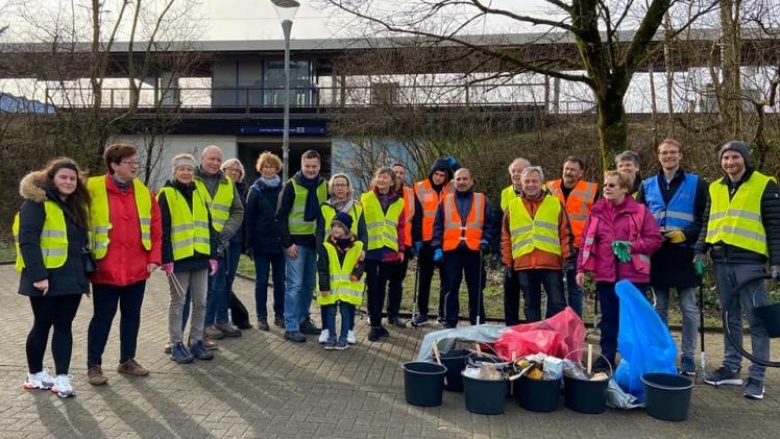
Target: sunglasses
[{"x": 610, "y": 185}]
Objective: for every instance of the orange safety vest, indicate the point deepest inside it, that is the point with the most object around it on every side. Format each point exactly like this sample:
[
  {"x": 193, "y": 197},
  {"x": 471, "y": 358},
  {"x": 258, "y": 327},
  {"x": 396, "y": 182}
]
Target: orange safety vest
[
  {"x": 409, "y": 211},
  {"x": 577, "y": 205},
  {"x": 455, "y": 230},
  {"x": 429, "y": 200}
]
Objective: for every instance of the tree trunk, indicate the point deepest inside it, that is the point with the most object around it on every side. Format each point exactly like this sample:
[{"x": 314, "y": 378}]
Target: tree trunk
[{"x": 612, "y": 125}]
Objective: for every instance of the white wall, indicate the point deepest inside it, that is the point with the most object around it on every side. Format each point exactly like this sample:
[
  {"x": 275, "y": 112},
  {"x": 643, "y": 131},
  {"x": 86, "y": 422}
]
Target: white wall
[{"x": 177, "y": 144}]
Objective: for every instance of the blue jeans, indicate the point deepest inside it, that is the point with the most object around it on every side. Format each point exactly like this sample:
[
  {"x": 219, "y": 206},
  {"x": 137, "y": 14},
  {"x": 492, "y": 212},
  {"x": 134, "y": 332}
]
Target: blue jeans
[
  {"x": 329, "y": 320},
  {"x": 690, "y": 316},
  {"x": 301, "y": 273},
  {"x": 275, "y": 264},
  {"x": 216, "y": 300},
  {"x": 233, "y": 255}
]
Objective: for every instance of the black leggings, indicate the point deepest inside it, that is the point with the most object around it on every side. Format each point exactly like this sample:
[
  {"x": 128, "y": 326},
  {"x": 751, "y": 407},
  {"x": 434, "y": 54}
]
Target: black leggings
[{"x": 57, "y": 311}]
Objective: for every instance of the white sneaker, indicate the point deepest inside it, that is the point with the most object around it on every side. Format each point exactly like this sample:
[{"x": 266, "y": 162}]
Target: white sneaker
[
  {"x": 351, "y": 337},
  {"x": 324, "y": 336},
  {"x": 40, "y": 380},
  {"x": 62, "y": 386}
]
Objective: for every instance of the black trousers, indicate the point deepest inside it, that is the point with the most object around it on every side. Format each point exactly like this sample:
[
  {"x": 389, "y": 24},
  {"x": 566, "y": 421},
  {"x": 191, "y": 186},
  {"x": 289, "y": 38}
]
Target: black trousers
[
  {"x": 106, "y": 299},
  {"x": 48, "y": 312},
  {"x": 426, "y": 266},
  {"x": 457, "y": 263},
  {"x": 377, "y": 277},
  {"x": 511, "y": 297},
  {"x": 531, "y": 282},
  {"x": 395, "y": 290}
]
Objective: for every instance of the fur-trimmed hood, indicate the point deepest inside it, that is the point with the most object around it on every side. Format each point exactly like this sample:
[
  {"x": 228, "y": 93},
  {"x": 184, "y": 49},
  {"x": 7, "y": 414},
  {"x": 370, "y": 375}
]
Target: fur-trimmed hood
[{"x": 33, "y": 186}]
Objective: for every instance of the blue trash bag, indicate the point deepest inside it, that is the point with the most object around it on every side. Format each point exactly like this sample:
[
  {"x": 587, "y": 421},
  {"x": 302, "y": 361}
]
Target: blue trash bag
[{"x": 644, "y": 341}]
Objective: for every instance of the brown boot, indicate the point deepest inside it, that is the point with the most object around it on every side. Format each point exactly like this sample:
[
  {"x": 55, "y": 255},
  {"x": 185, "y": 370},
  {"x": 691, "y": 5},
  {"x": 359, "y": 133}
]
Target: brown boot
[
  {"x": 95, "y": 376},
  {"x": 132, "y": 367}
]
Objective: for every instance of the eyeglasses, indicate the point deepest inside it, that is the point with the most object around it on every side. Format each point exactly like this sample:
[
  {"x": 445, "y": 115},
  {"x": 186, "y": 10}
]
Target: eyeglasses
[
  {"x": 131, "y": 163},
  {"x": 610, "y": 185},
  {"x": 340, "y": 185},
  {"x": 233, "y": 169}
]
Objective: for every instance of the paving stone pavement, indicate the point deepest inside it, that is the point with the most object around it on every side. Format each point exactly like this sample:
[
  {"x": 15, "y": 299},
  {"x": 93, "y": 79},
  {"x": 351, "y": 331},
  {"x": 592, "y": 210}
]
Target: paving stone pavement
[{"x": 261, "y": 386}]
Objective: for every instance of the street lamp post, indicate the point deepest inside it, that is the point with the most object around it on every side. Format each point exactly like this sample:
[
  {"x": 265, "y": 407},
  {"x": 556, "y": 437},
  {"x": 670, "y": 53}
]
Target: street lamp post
[{"x": 285, "y": 10}]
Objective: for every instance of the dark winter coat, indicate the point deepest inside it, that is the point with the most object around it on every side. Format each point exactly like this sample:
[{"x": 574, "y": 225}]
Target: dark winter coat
[
  {"x": 262, "y": 231},
  {"x": 68, "y": 279},
  {"x": 198, "y": 261}
]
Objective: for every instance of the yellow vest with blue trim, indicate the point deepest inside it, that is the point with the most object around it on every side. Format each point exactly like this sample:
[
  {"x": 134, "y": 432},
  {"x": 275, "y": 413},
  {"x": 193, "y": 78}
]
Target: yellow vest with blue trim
[
  {"x": 296, "y": 223},
  {"x": 540, "y": 232},
  {"x": 381, "y": 227},
  {"x": 189, "y": 227},
  {"x": 737, "y": 221},
  {"x": 54, "y": 238},
  {"x": 100, "y": 218},
  {"x": 329, "y": 212},
  {"x": 219, "y": 205},
  {"x": 342, "y": 287}
]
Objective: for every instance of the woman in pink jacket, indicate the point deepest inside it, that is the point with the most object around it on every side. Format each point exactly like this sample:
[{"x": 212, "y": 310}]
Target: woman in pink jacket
[{"x": 619, "y": 236}]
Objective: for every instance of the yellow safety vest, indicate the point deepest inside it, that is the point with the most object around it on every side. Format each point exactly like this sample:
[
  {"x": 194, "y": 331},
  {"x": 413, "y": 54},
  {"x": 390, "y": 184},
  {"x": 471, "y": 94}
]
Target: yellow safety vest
[
  {"x": 382, "y": 228},
  {"x": 328, "y": 213},
  {"x": 507, "y": 195},
  {"x": 342, "y": 287},
  {"x": 297, "y": 225},
  {"x": 189, "y": 228},
  {"x": 219, "y": 205},
  {"x": 738, "y": 222},
  {"x": 100, "y": 219},
  {"x": 539, "y": 232},
  {"x": 54, "y": 238}
]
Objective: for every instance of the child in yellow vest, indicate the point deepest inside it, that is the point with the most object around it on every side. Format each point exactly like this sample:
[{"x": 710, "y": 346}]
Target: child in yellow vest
[{"x": 340, "y": 274}]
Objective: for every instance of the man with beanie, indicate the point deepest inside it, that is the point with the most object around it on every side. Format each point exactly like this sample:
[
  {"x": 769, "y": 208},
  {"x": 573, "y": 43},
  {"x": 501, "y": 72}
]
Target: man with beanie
[
  {"x": 427, "y": 194},
  {"x": 461, "y": 236},
  {"x": 296, "y": 217},
  {"x": 741, "y": 232},
  {"x": 677, "y": 200}
]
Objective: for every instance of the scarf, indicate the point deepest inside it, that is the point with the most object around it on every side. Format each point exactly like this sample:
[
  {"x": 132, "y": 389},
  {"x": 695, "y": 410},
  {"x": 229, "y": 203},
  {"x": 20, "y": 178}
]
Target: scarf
[
  {"x": 341, "y": 205},
  {"x": 119, "y": 185},
  {"x": 312, "y": 211},
  {"x": 271, "y": 182}
]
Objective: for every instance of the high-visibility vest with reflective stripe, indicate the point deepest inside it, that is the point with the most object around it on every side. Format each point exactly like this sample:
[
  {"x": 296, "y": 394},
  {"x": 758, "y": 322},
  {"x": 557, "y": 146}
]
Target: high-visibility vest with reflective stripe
[
  {"x": 54, "y": 238},
  {"x": 189, "y": 227},
  {"x": 409, "y": 210},
  {"x": 219, "y": 205},
  {"x": 540, "y": 232},
  {"x": 455, "y": 231},
  {"x": 640, "y": 261},
  {"x": 297, "y": 225},
  {"x": 577, "y": 204},
  {"x": 679, "y": 212},
  {"x": 328, "y": 213},
  {"x": 100, "y": 219},
  {"x": 342, "y": 287},
  {"x": 738, "y": 222},
  {"x": 507, "y": 195},
  {"x": 429, "y": 200},
  {"x": 382, "y": 227}
]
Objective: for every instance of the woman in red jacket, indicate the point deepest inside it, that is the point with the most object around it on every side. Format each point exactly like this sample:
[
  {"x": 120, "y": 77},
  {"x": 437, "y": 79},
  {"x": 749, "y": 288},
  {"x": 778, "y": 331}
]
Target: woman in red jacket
[
  {"x": 619, "y": 236},
  {"x": 127, "y": 238}
]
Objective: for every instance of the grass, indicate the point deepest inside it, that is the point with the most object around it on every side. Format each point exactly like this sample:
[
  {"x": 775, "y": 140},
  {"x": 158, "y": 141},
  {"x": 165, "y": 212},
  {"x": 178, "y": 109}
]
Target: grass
[{"x": 494, "y": 297}]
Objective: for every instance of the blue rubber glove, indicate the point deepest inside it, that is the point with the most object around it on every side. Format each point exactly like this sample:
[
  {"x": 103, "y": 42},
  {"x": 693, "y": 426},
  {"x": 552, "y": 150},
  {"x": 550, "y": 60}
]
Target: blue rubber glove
[
  {"x": 417, "y": 247},
  {"x": 437, "y": 255}
]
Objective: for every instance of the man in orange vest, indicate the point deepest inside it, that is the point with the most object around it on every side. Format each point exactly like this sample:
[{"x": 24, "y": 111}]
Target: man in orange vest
[
  {"x": 577, "y": 196},
  {"x": 461, "y": 236},
  {"x": 427, "y": 194},
  {"x": 398, "y": 271}
]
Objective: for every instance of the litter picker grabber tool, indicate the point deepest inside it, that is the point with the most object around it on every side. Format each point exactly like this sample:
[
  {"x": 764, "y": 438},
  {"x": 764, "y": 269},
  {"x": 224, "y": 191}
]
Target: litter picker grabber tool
[
  {"x": 481, "y": 285},
  {"x": 701, "y": 325},
  {"x": 416, "y": 289}
]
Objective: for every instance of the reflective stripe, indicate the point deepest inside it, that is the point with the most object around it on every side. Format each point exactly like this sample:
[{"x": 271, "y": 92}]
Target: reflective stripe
[
  {"x": 429, "y": 200},
  {"x": 53, "y": 240},
  {"x": 457, "y": 229},
  {"x": 678, "y": 212},
  {"x": 189, "y": 229},
  {"x": 736, "y": 220},
  {"x": 540, "y": 232},
  {"x": 577, "y": 204},
  {"x": 381, "y": 227},
  {"x": 342, "y": 287},
  {"x": 99, "y": 215}
]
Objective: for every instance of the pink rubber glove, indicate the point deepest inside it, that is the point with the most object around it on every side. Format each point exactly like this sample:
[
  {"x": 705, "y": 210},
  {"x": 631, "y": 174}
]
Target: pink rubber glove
[
  {"x": 213, "y": 264},
  {"x": 167, "y": 268}
]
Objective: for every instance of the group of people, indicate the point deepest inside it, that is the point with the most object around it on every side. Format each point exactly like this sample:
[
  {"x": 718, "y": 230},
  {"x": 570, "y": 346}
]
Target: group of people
[{"x": 316, "y": 237}]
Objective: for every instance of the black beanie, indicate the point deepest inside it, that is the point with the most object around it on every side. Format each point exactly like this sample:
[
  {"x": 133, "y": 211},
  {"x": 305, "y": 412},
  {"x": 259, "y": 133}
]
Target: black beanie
[
  {"x": 343, "y": 218},
  {"x": 742, "y": 148},
  {"x": 441, "y": 164}
]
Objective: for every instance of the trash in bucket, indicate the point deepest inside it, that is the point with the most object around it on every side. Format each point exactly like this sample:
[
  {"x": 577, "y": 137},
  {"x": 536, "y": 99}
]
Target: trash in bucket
[
  {"x": 455, "y": 362},
  {"x": 484, "y": 397},
  {"x": 770, "y": 315},
  {"x": 424, "y": 383},
  {"x": 583, "y": 392},
  {"x": 668, "y": 396}
]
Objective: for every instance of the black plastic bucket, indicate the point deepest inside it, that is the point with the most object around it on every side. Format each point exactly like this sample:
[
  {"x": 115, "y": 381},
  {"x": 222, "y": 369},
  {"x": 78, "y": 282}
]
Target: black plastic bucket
[
  {"x": 455, "y": 362},
  {"x": 484, "y": 397},
  {"x": 668, "y": 396},
  {"x": 770, "y": 315},
  {"x": 584, "y": 396},
  {"x": 424, "y": 383},
  {"x": 538, "y": 395}
]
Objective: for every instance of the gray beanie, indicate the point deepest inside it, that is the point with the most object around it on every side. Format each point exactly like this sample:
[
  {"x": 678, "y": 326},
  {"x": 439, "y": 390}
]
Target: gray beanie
[{"x": 742, "y": 148}]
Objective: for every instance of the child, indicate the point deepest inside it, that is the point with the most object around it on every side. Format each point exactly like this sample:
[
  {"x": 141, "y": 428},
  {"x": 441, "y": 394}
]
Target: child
[{"x": 341, "y": 279}]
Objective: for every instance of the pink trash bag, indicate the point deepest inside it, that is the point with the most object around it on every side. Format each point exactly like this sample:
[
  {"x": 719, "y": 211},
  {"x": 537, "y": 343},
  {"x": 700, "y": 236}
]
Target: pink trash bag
[{"x": 556, "y": 336}]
